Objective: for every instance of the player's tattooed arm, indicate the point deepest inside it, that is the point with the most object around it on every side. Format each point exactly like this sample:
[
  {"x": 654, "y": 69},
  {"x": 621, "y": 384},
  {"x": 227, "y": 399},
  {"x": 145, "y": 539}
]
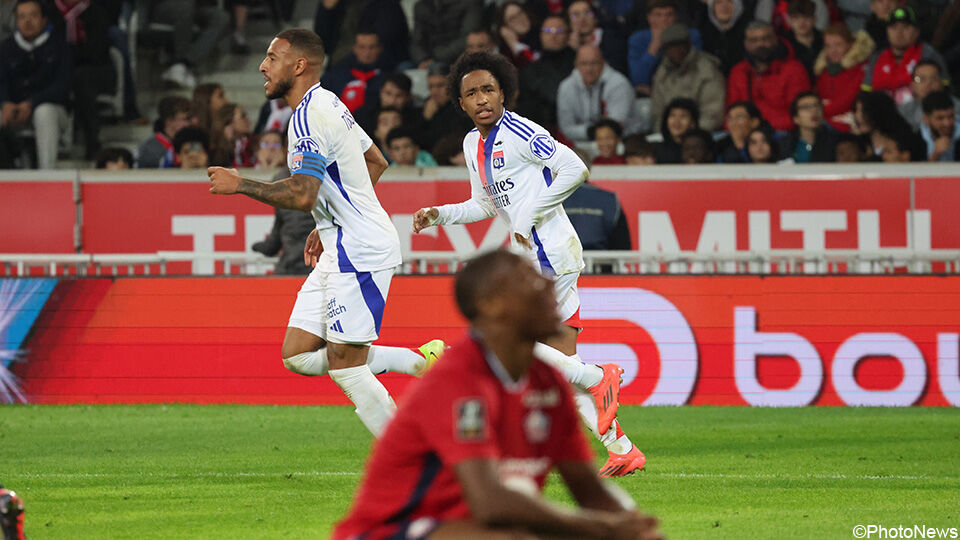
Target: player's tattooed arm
[{"x": 299, "y": 192}]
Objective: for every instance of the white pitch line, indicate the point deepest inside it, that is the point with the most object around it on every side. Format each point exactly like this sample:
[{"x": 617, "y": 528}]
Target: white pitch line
[{"x": 219, "y": 474}]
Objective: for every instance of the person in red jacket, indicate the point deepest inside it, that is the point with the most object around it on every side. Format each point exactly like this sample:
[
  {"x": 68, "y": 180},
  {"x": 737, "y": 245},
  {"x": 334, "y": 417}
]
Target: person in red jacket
[
  {"x": 891, "y": 70},
  {"x": 769, "y": 76},
  {"x": 840, "y": 69}
]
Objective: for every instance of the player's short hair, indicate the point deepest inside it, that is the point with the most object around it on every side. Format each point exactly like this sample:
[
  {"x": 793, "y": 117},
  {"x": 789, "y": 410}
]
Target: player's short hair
[
  {"x": 937, "y": 101},
  {"x": 477, "y": 279},
  {"x": 191, "y": 134},
  {"x": 502, "y": 70},
  {"x": 108, "y": 155},
  {"x": 306, "y": 42}
]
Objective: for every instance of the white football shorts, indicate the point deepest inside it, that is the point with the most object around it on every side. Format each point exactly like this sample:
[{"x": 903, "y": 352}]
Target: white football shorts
[
  {"x": 568, "y": 300},
  {"x": 342, "y": 307}
]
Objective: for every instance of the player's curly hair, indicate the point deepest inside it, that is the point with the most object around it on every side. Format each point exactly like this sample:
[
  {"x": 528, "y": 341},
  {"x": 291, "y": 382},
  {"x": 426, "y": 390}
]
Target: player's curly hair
[{"x": 502, "y": 70}]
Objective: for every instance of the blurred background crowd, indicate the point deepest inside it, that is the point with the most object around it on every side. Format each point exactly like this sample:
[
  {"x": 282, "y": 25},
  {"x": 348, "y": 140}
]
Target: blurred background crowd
[{"x": 174, "y": 83}]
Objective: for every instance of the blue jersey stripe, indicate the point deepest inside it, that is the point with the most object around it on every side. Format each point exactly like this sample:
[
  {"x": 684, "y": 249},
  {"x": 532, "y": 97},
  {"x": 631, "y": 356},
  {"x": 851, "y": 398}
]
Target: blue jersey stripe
[
  {"x": 515, "y": 130},
  {"x": 372, "y": 297},
  {"x": 488, "y": 151},
  {"x": 520, "y": 125},
  {"x": 545, "y": 265},
  {"x": 334, "y": 171},
  {"x": 547, "y": 176},
  {"x": 342, "y": 259}
]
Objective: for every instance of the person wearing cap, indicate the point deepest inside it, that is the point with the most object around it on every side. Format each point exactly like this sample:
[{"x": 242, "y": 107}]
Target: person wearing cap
[
  {"x": 891, "y": 69},
  {"x": 644, "y": 47},
  {"x": 690, "y": 73}
]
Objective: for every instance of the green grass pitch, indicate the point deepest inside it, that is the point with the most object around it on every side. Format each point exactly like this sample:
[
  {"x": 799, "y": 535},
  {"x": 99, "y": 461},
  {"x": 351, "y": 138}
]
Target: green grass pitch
[{"x": 185, "y": 471}]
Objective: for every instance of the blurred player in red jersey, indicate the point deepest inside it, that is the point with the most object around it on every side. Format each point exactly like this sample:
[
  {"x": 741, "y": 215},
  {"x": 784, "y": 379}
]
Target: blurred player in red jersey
[{"x": 471, "y": 445}]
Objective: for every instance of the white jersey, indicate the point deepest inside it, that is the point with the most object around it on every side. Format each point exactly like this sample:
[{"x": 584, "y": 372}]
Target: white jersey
[
  {"x": 326, "y": 142},
  {"x": 523, "y": 174}
]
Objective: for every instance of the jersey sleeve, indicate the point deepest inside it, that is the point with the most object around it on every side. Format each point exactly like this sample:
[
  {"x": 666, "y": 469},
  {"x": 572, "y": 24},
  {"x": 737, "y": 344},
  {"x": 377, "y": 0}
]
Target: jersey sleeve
[
  {"x": 365, "y": 141},
  {"x": 310, "y": 151},
  {"x": 563, "y": 172},
  {"x": 458, "y": 423}
]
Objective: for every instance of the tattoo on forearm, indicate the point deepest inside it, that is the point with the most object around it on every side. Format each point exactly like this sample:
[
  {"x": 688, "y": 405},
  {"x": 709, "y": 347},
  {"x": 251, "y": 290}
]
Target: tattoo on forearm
[{"x": 294, "y": 192}]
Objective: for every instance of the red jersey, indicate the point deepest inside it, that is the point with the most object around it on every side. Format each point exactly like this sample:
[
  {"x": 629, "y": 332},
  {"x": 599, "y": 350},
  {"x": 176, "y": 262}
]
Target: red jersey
[{"x": 465, "y": 407}]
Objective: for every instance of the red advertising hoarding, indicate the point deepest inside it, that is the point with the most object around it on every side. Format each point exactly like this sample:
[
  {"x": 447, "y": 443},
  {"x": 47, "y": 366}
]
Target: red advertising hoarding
[
  {"x": 37, "y": 215},
  {"x": 735, "y": 340}
]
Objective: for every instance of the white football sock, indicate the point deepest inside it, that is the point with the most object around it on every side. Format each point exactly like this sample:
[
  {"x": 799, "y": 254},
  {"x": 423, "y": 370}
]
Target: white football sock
[
  {"x": 375, "y": 407},
  {"x": 380, "y": 359},
  {"x": 579, "y": 374},
  {"x": 587, "y": 408},
  {"x": 395, "y": 360}
]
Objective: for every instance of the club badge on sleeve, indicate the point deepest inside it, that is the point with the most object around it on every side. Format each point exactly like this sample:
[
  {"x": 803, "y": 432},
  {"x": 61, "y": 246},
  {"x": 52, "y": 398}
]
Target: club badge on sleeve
[{"x": 471, "y": 420}]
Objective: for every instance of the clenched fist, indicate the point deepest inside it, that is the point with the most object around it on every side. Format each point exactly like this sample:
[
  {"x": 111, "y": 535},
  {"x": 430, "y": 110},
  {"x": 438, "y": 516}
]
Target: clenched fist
[
  {"x": 223, "y": 181},
  {"x": 425, "y": 217}
]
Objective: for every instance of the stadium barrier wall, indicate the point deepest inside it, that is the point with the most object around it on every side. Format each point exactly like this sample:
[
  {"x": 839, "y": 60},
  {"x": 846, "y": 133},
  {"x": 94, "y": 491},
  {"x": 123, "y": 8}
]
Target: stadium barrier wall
[
  {"x": 724, "y": 340},
  {"x": 707, "y": 209}
]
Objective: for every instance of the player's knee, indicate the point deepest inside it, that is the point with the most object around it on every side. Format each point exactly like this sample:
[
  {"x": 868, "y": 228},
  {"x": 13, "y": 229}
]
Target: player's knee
[{"x": 294, "y": 363}]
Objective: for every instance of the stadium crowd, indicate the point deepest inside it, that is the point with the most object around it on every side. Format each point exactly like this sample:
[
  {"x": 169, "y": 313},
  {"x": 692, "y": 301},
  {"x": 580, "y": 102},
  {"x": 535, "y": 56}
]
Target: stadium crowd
[{"x": 630, "y": 82}]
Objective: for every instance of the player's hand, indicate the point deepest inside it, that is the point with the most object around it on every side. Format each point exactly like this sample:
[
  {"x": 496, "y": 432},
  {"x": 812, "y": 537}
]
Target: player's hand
[
  {"x": 522, "y": 240},
  {"x": 312, "y": 249},
  {"x": 425, "y": 217},
  {"x": 223, "y": 181},
  {"x": 940, "y": 146}
]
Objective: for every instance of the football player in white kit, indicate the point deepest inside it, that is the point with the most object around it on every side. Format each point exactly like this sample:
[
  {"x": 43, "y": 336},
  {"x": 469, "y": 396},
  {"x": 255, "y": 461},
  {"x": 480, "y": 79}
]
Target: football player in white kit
[
  {"x": 521, "y": 173},
  {"x": 355, "y": 247}
]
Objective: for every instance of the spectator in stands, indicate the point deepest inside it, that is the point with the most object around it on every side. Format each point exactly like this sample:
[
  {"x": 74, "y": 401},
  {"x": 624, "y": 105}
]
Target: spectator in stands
[
  {"x": 238, "y": 41},
  {"x": 441, "y": 115},
  {"x": 207, "y": 97},
  {"x": 395, "y": 93},
  {"x": 637, "y": 151},
  {"x": 850, "y": 149},
  {"x": 839, "y": 70},
  {"x": 946, "y": 37},
  {"x": 86, "y": 27},
  {"x": 890, "y": 70},
  {"x": 518, "y": 40},
  {"x": 902, "y": 146},
  {"x": 593, "y": 91},
  {"x": 585, "y": 29},
  {"x": 926, "y": 80},
  {"x": 8, "y": 18},
  {"x": 271, "y": 151},
  {"x": 357, "y": 79},
  {"x": 156, "y": 151},
  {"x": 762, "y": 147},
  {"x": 230, "y": 137},
  {"x": 697, "y": 147},
  {"x": 449, "y": 151},
  {"x": 806, "y": 40},
  {"x": 723, "y": 34},
  {"x": 607, "y": 134},
  {"x": 35, "y": 79},
  {"x": 644, "y": 46},
  {"x": 875, "y": 113},
  {"x": 404, "y": 150},
  {"x": 742, "y": 118},
  {"x": 811, "y": 140},
  {"x": 188, "y": 49},
  {"x": 880, "y": 11},
  {"x": 480, "y": 40},
  {"x": 287, "y": 239},
  {"x": 690, "y": 73},
  {"x": 338, "y": 21},
  {"x": 775, "y": 13},
  {"x": 114, "y": 159},
  {"x": 597, "y": 216},
  {"x": 941, "y": 126},
  {"x": 540, "y": 81},
  {"x": 274, "y": 116},
  {"x": 767, "y": 76},
  {"x": 387, "y": 119},
  {"x": 192, "y": 146},
  {"x": 680, "y": 116},
  {"x": 439, "y": 29}
]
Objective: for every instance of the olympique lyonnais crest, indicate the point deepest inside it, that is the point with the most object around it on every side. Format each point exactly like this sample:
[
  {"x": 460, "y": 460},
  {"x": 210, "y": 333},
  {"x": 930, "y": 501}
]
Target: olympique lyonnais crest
[
  {"x": 296, "y": 162},
  {"x": 498, "y": 159},
  {"x": 471, "y": 417}
]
